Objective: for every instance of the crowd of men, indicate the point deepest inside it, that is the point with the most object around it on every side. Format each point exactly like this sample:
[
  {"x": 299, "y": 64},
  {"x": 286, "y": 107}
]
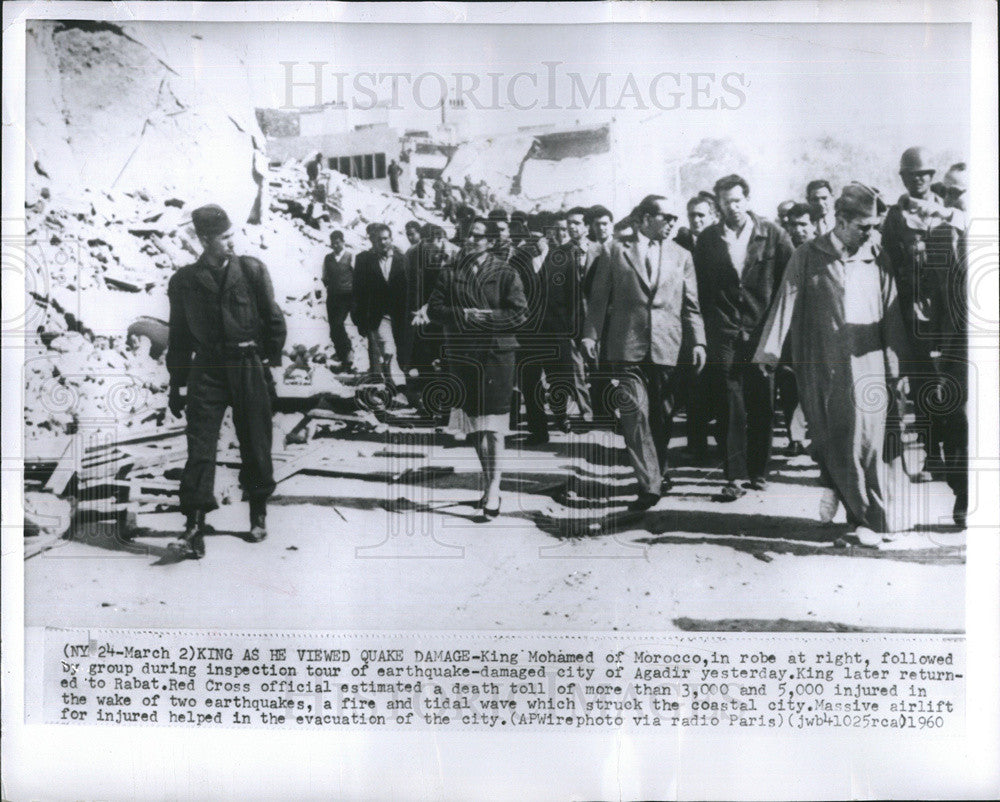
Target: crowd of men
[
  {"x": 732, "y": 316},
  {"x": 687, "y": 333}
]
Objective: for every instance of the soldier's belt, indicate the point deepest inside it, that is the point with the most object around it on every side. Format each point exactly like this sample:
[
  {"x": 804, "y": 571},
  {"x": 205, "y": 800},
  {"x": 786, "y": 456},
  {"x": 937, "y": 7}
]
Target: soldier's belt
[{"x": 248, "y": 348}]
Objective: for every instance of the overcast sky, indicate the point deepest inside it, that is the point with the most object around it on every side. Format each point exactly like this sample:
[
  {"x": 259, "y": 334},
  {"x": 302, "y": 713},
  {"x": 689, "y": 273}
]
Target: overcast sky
[
  {"x": 885, "y": 82},
  {"x": 806, "y": 78},
  {"x": 771, "y": 89}
]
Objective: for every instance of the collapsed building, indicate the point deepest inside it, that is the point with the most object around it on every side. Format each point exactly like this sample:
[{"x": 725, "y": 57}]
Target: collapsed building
[
  {"x": 125, "y": 137},
  {"x": 557, "y": 167}
]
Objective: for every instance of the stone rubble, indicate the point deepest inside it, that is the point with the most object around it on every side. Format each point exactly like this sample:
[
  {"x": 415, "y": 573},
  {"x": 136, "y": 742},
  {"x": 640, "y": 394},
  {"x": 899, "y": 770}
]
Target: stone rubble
[{"x": 108, "y": 258}]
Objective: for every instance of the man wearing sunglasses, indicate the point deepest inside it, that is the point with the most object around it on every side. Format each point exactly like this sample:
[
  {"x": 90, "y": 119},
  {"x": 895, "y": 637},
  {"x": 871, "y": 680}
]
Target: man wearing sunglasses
[
  {"x": 839, "y": 309},
  {"x": 644, "y": 303}
]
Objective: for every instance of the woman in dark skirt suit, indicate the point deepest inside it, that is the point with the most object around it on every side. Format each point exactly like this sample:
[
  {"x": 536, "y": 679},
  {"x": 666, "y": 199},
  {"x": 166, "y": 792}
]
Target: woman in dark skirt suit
[{"x": 479, "y": 301}]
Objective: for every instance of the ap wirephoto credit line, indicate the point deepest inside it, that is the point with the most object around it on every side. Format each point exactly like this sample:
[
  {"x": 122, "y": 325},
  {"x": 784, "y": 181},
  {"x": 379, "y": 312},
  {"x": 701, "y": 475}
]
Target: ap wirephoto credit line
[{"x": 628, "y": 378}]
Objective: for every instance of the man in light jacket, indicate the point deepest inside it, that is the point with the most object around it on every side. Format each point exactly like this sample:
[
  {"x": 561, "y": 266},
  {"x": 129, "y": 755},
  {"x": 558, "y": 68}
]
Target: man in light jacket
[{"x": 644, "y": 302}]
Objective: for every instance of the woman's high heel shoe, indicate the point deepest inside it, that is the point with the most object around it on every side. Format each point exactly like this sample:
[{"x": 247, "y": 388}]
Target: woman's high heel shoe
[{"x": 495, "y": 511}]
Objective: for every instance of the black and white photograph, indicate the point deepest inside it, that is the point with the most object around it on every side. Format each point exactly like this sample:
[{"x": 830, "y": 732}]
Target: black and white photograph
[
  {"x": 660, "y": 351},
  {"x": 360, "y": 324}
]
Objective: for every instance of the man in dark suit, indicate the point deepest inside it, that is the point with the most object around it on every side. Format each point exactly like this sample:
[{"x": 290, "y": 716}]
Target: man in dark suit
[
  {"x": 600, "y": 222},
  {"x": 424, "y": 265},
  {"x": 551, "y": 281},
  {"x": 740, "y": 262},
  {"x": 527, "y": 258},
  {"x": 380, "y": 302},
  {"x": 701, "y": 213},
  {"x": 576, "y": 220},
  {"x": 644, "y": 301}
]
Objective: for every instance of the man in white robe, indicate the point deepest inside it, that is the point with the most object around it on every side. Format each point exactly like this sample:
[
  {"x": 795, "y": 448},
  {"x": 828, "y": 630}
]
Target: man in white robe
[{"x": 838, "y": 307}]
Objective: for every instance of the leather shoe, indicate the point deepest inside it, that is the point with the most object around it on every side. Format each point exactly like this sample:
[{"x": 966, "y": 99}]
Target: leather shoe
[
  {"x": 644, "y": 501},
  {"x": 757, "y": 483},
  {"x": 535, "y": 440},
  {"x": 666, "y": 485},
  {"x": 258, "y": 521},
  {"x": 730, "y": 492}
]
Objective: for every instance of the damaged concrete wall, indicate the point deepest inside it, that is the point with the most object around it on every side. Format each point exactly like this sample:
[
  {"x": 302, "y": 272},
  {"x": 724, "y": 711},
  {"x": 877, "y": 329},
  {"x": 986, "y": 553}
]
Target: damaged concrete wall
[{"x": 129, "y": 108}]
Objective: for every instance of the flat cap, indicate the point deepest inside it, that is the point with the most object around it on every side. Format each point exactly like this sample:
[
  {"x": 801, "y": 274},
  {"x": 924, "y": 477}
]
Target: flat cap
[
  {"x": 210, "y": 221},
  {"x": 860, "y": 200}
]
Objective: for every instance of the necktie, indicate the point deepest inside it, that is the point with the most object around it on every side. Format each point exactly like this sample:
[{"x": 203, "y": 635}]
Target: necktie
[{"x": 652, "y": 253}]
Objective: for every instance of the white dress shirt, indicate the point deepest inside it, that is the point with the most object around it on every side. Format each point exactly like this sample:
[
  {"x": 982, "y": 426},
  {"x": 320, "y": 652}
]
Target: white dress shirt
[
  {"x": 737, "y": 243},
  {"x": 385, "y": 264}
]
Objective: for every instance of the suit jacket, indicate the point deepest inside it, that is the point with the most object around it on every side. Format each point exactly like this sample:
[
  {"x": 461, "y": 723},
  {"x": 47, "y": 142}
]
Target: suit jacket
[
  {"x": 735, "y": 306},
  {"x": 594, "y": 249},
  {"x": 648, "y": 318},
  {"x": 495, "y": 287},
  {"x": 522, "y": 261},
  {"x": 685, "y": 239},
  {"x": 562, "y": 291},
  {"x": 374, "y": 297},
  {"x": 205, "y": 314}
]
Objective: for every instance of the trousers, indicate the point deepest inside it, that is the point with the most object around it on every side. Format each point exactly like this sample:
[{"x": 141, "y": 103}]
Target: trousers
[
  {"x": 555, "y": 359},
  {"x": 698, "y": 411},
  {"x": 243, "y": 383},
  {"x": 381, "y": 350},
  {"x": 581, "y": 392},
  {"x": 337, "y": 309},
  {"x": 744, "y": 392},
  {"x": 646, "y": 405},
  {"x": 787, "y": 392},
  {"x": 954, "y": 369}
]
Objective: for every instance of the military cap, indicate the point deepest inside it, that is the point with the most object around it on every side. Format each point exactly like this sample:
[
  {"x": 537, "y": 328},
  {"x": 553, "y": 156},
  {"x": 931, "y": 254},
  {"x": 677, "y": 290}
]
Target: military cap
[{"x": 210, "y": 221}]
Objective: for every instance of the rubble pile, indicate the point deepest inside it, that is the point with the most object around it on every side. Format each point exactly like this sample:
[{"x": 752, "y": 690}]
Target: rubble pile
[
  {"x": 126, "y": 107},
  {"x": 127, "y": 135},
  {"x": 107, "y": 260}
]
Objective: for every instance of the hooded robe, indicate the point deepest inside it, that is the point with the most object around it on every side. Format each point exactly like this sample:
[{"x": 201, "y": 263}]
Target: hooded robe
[{"x": 846, "y": 336}]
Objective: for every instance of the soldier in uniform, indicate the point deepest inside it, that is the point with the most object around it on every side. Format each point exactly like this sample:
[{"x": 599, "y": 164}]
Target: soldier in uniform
[
  {"x": 906, "y": 232},
  {"x": 225, "y": 332}
]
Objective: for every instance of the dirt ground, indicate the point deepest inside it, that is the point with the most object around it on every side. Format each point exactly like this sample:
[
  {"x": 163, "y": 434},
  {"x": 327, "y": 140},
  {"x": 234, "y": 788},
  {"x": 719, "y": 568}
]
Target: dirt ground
[{"x": 366, "y": 545}]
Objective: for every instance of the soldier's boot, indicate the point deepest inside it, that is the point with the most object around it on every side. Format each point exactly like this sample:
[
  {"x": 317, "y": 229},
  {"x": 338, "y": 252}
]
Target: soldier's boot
[
  {"x": 258, "y": 520},
  {"x": 194, "y": 535},
  {"x": 960, "y": 511}
]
